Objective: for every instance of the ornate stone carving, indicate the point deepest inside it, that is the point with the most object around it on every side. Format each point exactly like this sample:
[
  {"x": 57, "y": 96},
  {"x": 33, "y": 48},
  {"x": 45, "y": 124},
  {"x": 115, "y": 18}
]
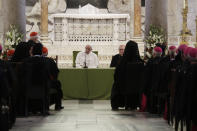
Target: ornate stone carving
[
  {"x": 116, "y": 6},
  {"x": 55, "y": 6},
  {"x": 90, "y": 28}
]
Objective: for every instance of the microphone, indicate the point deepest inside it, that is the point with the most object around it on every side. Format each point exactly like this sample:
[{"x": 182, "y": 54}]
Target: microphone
[{"x": 85, "y": 64}]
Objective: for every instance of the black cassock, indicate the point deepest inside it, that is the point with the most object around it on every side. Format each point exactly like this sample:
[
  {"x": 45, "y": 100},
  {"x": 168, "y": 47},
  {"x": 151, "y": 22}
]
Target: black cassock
[
  {"x": 7, "y": 96},
  {"x": 190, "y": 96},
  {"x": 171, "y": 76},
  {"x": 22, "y": 51},
  {"x": 156, "y": 85},
  {"x": 117, "y": 93},
  {"x": 181, "y": 94},
  {"x": 4, "y": 95},
  {"x": 56, "y": 84},
  {"x": 134, "y": 84},
  {"x": 116, "y": 60},
  {"x": 51, "y": 74},
  {"x": 125, "y": 87},
  {"x": 193, "y": 94}
]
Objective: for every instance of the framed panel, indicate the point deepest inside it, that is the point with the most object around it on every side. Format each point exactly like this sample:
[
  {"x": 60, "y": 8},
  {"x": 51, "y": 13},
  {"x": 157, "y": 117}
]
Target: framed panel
[{"x": 102, "y": 27}]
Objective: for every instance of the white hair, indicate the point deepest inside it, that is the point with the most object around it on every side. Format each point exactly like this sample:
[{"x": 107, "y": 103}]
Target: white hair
[{"x": 121, "y": 46}]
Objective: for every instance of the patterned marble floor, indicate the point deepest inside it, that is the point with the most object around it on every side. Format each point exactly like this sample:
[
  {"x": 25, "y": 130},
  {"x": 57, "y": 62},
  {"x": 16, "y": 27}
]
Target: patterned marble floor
[{"x": 92, "y": 116}]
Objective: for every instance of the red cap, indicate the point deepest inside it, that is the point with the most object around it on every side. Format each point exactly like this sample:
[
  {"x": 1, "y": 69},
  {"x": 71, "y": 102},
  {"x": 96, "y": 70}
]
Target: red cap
[
  {"x": 187, "y": 50},
  {"x": 193, "y": 52},
  {"x": 33, "y": 34},
  {"x": 10, "y": 52},
  {"x": 44, "y": 50},
  {"x": 1, "y": 48},
  {"x": 172, "y": 48},
  {"x": 157, "y": 50},
  {"x": 182, "y": 47}
]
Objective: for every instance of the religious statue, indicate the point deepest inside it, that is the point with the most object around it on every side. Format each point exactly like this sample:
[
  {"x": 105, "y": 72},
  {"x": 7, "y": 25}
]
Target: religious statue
[
  {"x": 33, "y": 16},
  {"x": 55, "y": 6},
  {"x": 116, "y": 6}
]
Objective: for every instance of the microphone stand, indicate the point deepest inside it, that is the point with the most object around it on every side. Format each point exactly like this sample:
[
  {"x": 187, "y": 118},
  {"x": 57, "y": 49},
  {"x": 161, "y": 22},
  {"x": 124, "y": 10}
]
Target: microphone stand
[{"x": 85, "y": 64}]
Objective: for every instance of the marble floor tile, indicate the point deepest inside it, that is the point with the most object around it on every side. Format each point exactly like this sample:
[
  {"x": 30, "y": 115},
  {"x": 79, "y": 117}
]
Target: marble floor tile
[{"x": 92, "y": 116}]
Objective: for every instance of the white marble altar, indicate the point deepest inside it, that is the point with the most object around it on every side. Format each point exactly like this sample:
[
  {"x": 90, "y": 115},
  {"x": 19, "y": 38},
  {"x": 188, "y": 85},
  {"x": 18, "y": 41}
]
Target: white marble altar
[{"x": 88, "y": 25}]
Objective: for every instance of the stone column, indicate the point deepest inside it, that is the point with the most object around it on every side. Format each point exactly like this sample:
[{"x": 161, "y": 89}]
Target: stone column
[
  {"x": 137, "y": 18},
  {"x": 44, "y": 21},
  {"x": 156, "y": 14},
  {"x": 13, "y": 13}
]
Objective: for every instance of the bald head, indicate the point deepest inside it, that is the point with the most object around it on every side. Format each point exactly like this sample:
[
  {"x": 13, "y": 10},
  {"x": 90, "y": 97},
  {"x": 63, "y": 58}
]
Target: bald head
[
  {"x": 88, "y": 49},
  {"x": 121, "y": 49}
]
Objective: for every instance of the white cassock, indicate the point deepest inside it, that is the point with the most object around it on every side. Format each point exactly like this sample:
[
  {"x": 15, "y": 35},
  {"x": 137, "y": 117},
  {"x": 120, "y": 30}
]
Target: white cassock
[{"x": 90, "y": 60}]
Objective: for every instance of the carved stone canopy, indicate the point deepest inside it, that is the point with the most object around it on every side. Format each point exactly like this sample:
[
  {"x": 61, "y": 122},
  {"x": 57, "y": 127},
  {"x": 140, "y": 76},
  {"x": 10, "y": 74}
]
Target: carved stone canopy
[{"x": 88, "y": 9}]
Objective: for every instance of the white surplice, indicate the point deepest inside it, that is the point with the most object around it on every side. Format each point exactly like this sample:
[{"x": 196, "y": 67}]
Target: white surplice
[{"x": 89, "y": 60}]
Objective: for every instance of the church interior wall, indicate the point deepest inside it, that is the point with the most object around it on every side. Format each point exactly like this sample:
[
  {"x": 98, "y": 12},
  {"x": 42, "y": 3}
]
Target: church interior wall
[
  {"x": 175, "y": 20},
  {"x": 174, "y": 17}
]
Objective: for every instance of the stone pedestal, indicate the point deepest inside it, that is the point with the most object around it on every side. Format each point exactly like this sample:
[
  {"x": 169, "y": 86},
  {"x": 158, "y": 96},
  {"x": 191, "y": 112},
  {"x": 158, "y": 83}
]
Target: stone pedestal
[
  {"x": 12, "y": 12},
  {"x": 156, "y": 14}
]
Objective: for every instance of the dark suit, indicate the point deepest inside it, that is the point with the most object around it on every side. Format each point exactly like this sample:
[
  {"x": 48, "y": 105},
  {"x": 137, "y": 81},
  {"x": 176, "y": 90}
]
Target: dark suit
[{"x": 116, "y": 60}]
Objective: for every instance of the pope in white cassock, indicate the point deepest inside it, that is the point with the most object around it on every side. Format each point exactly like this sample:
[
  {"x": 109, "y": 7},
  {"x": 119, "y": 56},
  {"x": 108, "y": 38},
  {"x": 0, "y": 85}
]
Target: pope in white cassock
[{"x": 87, "y": 59}]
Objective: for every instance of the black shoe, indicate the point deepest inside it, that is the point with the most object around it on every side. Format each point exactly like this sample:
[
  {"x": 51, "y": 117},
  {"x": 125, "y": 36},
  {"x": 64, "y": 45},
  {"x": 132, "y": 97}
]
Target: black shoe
[
  {"x": 114, "y": 108},
  {"x": 128, "y": 108},
  {"x": 59, "y": 108}
]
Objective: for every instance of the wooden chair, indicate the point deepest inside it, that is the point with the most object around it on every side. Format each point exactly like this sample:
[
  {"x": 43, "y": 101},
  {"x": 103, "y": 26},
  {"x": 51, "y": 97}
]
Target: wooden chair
[{"x": 36, "y": 86}]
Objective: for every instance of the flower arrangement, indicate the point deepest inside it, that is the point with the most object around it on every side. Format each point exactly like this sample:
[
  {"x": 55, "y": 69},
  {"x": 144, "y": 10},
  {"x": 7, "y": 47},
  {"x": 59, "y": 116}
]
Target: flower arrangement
[
  {"x": 13, "y": 37},
  {"x": 156, "y": 35}
]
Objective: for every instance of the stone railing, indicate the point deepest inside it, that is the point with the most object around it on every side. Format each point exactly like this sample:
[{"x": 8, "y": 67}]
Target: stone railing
[{"x": 176, "y": 40}]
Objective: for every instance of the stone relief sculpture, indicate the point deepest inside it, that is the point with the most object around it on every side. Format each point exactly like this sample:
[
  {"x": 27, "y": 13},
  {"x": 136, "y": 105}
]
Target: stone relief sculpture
[
  {"x": 117, "y": 6},
  {"x": 55, "y": 6},
  {"x": 97, "y": 3},
  {"x": 33, "y": 15}
]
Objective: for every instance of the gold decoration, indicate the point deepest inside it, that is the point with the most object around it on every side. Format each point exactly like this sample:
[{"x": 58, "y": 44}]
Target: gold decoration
[
  {"x": 196, "y": 33},
  {"x": 185, "y": 32}
]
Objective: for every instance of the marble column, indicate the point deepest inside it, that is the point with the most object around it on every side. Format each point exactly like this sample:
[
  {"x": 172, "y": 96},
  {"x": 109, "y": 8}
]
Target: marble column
[
  {"x": 137, "y": 18},
  {"x": 156, "y": 14},
  {"x": 44, "y": 21},
  {"x": 13, "y": 13}
]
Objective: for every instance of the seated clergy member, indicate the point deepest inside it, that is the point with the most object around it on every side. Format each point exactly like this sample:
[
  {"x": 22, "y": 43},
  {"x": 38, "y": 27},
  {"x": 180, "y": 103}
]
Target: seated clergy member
[
  {"x": 87, "y": 59},
  {"x": 51, "y": 69},
  {"x": 55, "y": 83},
  {"x": 34, "y": 38},
  {"x": 117, "y": 58}
]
